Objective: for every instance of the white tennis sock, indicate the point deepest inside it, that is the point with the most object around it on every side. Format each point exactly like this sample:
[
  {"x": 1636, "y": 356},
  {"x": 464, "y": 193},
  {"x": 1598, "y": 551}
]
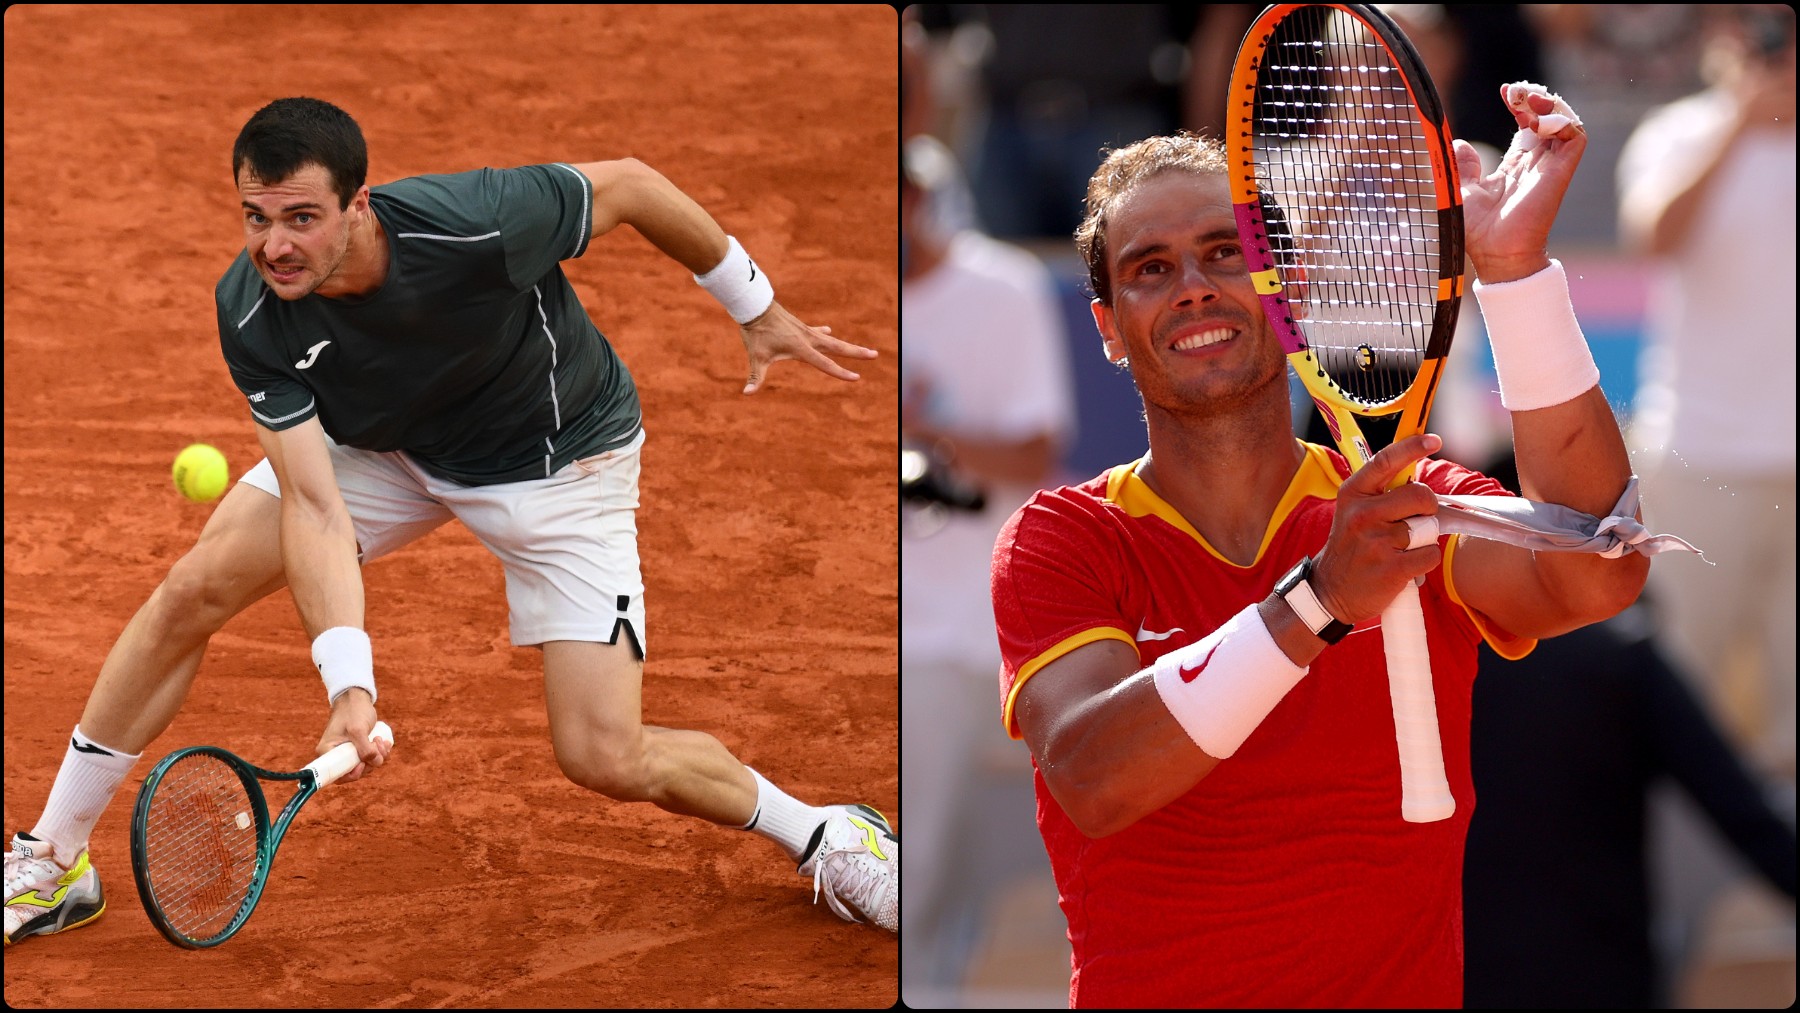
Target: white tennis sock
[
  {"x": 91, "y": 774},
  {"x": 782, "y": 818}
]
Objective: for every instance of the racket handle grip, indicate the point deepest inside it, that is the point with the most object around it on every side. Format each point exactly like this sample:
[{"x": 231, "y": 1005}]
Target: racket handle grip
[
  {"x": 1424, "y": 790},
  {"x": 342, "y": 758}
]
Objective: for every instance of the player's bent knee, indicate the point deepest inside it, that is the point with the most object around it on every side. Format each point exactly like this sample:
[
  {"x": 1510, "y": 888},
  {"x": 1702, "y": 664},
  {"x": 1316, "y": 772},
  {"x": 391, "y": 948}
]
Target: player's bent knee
[
  {"x": 200, "y": 595},
  {"x": 614, "y": 768},
  {"x": 189, "y": 602},
  {"x": 236, "y": 562}
]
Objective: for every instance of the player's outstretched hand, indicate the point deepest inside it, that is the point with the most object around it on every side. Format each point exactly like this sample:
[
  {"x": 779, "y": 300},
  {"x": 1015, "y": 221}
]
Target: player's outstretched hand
[
  {"x": 1366, "y": 561},
  {"x": 778, "y": 335},
  {"x": 352, "y": 720},
  {"x": 1507, "y": 214}
]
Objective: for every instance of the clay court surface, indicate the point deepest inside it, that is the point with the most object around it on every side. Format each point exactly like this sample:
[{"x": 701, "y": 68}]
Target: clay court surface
[{"x": 468, "y": 871}]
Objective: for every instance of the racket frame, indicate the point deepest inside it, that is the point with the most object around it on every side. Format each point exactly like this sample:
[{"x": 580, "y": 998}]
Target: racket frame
[
  {"x": 1426, "y": 795},
  {"x": 1339, "y": 407},
  {"x": 268, "y": 836}
]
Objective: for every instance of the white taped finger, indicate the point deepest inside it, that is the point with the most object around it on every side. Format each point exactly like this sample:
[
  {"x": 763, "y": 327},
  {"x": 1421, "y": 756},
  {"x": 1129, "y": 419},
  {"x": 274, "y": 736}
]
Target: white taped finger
[
  {"x": 1552, "y": 122},
  {"x": 1421, "y": 531}
]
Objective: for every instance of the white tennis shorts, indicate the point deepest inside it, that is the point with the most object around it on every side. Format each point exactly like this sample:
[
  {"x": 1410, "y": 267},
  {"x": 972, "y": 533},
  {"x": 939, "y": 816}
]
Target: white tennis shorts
[{"x": 568, "y": 542}]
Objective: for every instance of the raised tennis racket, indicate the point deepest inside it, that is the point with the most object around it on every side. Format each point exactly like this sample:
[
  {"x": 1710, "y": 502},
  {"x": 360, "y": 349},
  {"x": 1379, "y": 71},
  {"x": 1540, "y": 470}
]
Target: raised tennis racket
[
  {"x": 202, "y": 844},
  {"x": 1350, "y": 214}
]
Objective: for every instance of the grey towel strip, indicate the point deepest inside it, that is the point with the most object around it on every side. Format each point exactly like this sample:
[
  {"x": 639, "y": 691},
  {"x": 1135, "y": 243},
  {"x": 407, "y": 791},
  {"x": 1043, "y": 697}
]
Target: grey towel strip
[{"x": 1551, "y": 528}]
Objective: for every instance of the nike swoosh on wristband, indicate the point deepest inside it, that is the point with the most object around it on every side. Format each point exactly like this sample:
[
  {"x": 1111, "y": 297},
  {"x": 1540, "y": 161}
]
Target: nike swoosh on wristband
[
  {"x": 1190, "y": 674},
  {"x": 753, "y": 270},
  {"x": 1144, "y": 633}
]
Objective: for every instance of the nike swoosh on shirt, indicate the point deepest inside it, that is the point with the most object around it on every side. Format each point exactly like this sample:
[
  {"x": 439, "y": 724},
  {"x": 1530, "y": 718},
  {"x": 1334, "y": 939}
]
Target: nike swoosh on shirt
[
  {"x": 1190, "y": 674},
  {"x": 1144, "y": 633}
]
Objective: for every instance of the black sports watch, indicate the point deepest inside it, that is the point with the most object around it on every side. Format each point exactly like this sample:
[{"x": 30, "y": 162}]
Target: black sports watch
[{"x": 1295, "y": 588}]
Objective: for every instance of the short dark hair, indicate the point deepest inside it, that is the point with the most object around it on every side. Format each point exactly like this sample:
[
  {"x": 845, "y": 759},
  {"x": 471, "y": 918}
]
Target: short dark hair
[
  {"x": 1126, "y": 168},
  {"x": 290, "y": 133}
]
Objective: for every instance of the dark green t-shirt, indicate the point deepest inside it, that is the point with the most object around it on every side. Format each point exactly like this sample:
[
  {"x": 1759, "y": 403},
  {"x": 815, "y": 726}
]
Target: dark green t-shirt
[{"x": 474, "y": 357}]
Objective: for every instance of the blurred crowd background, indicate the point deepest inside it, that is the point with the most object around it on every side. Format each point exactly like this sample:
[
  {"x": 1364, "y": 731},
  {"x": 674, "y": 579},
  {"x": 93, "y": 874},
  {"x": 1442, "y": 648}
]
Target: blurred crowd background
[{"x": 1633, "y": 843}]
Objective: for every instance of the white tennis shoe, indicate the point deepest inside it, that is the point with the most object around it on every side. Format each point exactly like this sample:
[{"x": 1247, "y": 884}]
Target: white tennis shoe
[
  {"x": 44, "y": 897},
  {"x": 854, "y": 860}
]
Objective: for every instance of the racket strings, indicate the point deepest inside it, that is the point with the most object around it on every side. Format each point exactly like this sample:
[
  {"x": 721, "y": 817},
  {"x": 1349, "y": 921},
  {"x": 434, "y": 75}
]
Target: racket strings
[
  {"x": 201, "y": 845},
  {"x": 1350, "y": 199}
]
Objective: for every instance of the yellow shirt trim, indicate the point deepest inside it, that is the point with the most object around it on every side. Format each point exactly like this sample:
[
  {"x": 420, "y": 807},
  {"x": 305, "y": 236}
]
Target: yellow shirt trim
[
  {"x": 1505, "y": 644},
  {"x": 1315, "y": 477},
  {"x": 1063, "y": 647}
]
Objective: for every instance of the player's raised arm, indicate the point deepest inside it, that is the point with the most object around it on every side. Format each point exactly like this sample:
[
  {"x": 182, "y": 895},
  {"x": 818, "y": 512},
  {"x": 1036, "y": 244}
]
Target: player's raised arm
[
  {"x": 1566, "y": 439},
  {"x": 628, "y": 192},
  {"x": 318, "y": 551}
]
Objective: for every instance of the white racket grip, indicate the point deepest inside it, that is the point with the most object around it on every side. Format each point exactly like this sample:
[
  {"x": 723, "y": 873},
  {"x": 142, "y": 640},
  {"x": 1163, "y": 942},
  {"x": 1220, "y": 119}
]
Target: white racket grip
[
  {"x": 342, "y": 758},
  {"x": 1424, "y": 790}
]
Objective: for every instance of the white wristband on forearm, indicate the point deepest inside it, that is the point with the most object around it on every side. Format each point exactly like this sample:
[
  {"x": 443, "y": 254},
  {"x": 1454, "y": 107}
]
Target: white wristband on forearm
[
  {"x": 1540, "y": 355},
  {"x": 345, "y": 660},
  {"x": 739, "y": 284},
  {"x": 1221, "y": 687}
]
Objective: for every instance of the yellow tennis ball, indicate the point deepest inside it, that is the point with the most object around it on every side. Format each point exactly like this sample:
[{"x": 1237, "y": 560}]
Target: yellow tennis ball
[{"x": 201, "y": 473}]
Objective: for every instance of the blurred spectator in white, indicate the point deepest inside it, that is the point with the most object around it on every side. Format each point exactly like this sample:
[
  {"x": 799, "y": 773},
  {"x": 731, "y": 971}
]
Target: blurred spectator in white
[
  {"x": 1707, "y": 189},
  {"x": 987, "y": 395}
]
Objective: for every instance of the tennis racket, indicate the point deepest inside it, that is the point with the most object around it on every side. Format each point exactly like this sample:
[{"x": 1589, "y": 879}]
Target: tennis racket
[
  {"x": 201, "y": 841},
  {"x": 1350, "y": 214}
]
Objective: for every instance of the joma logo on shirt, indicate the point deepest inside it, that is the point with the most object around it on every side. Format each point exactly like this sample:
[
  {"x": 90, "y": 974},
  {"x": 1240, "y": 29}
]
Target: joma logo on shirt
[{"x": 311, "y": 354}]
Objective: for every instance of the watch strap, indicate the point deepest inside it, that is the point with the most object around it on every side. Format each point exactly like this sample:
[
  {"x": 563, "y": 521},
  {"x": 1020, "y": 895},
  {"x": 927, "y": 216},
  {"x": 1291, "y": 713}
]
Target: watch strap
[{"x": 1305, "y": 603}]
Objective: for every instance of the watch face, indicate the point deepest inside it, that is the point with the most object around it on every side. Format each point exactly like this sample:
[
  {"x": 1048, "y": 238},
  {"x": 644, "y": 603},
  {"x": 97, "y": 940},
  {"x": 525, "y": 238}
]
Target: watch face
[{"x": 1292, "y": 578}]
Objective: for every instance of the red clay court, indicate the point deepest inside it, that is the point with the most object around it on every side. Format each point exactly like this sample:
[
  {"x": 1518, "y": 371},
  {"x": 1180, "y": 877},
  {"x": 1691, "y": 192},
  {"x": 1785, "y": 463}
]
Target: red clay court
[{"x": 467, "y": 872}]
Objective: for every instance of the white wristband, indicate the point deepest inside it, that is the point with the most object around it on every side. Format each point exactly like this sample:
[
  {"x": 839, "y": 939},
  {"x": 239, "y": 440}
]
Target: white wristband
[
  {"x": 345, "y": 660},
  {"x": 1540, "y": 355},
  {"x": 739, "y": 285},
  {"x": 1222, "y": 686}
]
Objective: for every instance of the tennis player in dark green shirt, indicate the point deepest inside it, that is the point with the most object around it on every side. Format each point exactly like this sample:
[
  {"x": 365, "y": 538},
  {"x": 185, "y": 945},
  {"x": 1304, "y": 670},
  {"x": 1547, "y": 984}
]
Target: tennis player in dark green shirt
[{"x": 413, "y": 353}]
